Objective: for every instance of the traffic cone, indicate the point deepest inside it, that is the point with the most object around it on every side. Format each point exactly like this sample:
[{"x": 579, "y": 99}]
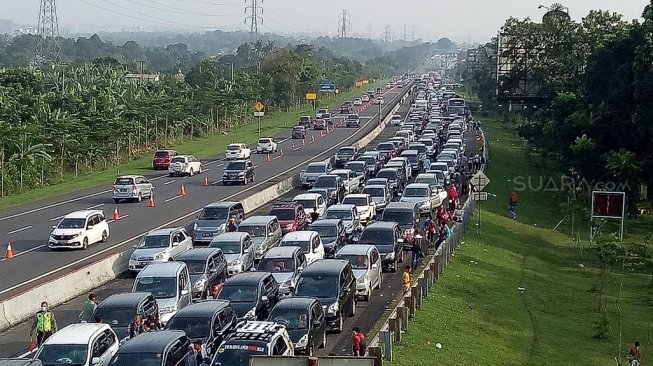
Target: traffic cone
[
  {"x": 293, "y": 148},
  {"x": 151, "y": 203},
  {"x": 312, "y": 138},
  {"x": 206, "y": 182},
  {"x": 269, "y": 158},
  {"x": 116, "y": 214},
  {"x": 182, "y": 191},
  {"x": 303, "y": 142},
  {"x": 281, "y": 152},
  {"x": 9, "y": 254}
]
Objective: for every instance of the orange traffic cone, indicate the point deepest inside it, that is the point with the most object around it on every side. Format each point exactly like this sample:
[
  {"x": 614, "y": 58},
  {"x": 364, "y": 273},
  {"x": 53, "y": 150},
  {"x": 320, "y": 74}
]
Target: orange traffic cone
[
  {"x": 9, "y": 254},
  {"x": 293, "y": 148},
  {"x": 151, "y": 203},
  {"x": 206, "y": 182},
  {"x": 116, "y": 214},
  {"x": 182, "y": 190}
]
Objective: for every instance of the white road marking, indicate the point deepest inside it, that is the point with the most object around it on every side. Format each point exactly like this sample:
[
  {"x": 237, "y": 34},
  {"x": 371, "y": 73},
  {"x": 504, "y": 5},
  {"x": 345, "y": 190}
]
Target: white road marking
[
  {"x": 24, "y": 252},
  {"x": 169, "y": 182},
  {"x": 57, "y": 218},
  {"x": 121, "y": 217},
  {"x": 95, "y": 206},
  {"x": 24, "y": 355},
  {"x": 205, "y": 170},
  {"x": 19, "y": 230},
  {"x": 216, "y": 182},
  {"x": 173, "y": 198}
]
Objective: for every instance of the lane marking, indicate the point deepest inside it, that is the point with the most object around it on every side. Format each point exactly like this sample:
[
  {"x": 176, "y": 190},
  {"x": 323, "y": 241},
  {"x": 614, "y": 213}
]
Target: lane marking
[
  {"x": 173, "y": 198},
  {"x": 57, "y": 218},
  {"x": 206, "y": 170},
  {"x": 169, "y": 182},
  {"x": 190, "y": 214},
  {"x": 121, "y": 217},
  {"x": 216, "y": 182},
  {"x": 95, "y": 206},
  {"x": 19, "y": 230},
  {"x": 24, "y": 252}
]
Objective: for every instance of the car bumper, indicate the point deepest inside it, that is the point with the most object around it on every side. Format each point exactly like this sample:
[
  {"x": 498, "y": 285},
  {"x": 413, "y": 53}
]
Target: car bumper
[
  {"x": 125, "y": 195},
  {"x": 238, "y": 156},
  {"x": 264, "y": 150},
  {"x": 239, "y": 179},
  {"x": 234, "y": 270},
  {"x": 332, "y": 321},
  {"x": 137, "y": 266},
  {"x": 160, "y": 166},
  {"x": 362, "y": 289},
  {"x": 177, "y": 172},
  {"x": 388, "y": 264},
  {"x": 66, "y": 244}
]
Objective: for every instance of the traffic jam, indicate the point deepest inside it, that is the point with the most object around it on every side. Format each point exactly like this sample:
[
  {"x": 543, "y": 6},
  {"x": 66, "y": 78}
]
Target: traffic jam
[{"x": 239, "y": 285}]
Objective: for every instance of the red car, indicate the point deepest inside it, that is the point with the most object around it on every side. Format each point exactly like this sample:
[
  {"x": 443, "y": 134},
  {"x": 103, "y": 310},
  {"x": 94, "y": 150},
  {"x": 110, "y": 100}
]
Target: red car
[
  {"x": 291, "y": 216},
  {"x": 162, "y": 159}
]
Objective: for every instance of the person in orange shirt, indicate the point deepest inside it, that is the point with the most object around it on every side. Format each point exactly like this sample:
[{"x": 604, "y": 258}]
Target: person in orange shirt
[{"x": 406, "y": 278}]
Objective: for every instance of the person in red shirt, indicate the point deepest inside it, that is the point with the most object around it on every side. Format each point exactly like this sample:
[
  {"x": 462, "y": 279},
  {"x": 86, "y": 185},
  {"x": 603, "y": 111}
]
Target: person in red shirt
[
  {"x": 635, "y": 355},
  {"x": 453, "y": 197},
  {"x": 357, "y": 342}
]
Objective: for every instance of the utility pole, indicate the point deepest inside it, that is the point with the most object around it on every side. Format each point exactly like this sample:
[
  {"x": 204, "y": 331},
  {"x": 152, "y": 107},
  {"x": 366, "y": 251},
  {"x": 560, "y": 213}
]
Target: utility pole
[
  {"x": 344, "y": 23},
  {"x": 386, "y": 33},
  {"x": 48, "y": 48},
  {"x": 254, "y": 17}
]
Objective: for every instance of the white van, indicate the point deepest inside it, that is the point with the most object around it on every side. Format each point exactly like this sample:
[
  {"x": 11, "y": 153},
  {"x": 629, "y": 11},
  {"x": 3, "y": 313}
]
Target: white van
[
  {"x": 309, "y": 241},
  {"x": 170, "y": 285},
  {"x": 84, "y": 344}
]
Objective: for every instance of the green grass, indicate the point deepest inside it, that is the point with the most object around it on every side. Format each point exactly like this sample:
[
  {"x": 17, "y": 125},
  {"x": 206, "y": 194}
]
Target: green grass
[
  {"x": 476, "y": 311},
  {"x": 201, "y": 147}
]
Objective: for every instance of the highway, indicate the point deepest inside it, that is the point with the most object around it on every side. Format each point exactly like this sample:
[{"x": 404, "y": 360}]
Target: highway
[{"x": 28, "y": 226}]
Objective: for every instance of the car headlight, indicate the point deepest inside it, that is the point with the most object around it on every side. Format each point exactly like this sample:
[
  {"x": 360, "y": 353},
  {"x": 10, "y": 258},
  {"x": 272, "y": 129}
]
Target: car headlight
[
  {"x": 133, "y": 257},
  {"x": 362, "y": 279},
  {"x": 235, "y": 262},
  {"x": 161, "y": 256},
  {"x": 251, "y": 314},
  {"x": 333, "y": 308},
  {"x": 241, "y": 173},
  {"x": 76, "y": 235},
  {"x": 168, "y": 309},
  {"x": 390, "y": 256},
  {"x": 301, "y": 343},
  {"x": 200, "y": 284},
  {"x": 195, "y": 226}
]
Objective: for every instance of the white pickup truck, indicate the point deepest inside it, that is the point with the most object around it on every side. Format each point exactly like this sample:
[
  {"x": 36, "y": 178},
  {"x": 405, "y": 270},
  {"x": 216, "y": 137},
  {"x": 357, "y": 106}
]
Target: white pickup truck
[{"x": 352, "y": 182}]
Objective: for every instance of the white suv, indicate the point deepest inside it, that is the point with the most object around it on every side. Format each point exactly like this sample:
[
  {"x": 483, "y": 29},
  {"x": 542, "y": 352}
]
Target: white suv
[
  {"x": 159, "y": 246},
  {"x": 82, "y": 344},
  {"x": 266, "y": 145},
  {"x": 78, "y": 230},
  {"x": 238, "y": 152},
  {"x": 184, "y": 165},
  {"x": 364, "y": 204}
]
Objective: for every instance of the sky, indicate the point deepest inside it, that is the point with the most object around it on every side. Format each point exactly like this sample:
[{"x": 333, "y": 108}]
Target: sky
[{"x": 461, "y": 20}]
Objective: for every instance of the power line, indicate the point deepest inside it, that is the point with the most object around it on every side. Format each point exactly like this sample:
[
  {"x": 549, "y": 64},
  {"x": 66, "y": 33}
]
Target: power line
[
  {"x": 253, "y": 18},
  {"x": 172, "y": 9},
  {"x": 344, "y": 24},
  {"x": 48, "y": 48},
  {"x": 405, "y": 37}
]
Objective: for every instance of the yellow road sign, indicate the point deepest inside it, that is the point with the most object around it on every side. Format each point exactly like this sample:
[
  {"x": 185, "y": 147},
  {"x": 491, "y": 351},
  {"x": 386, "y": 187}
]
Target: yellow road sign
[
  {"x": 359, "y": 84},
  {"x": 365, "y": 82},
  {"x": 259, "y": 106},
  {"x": 311, "y": 95}
]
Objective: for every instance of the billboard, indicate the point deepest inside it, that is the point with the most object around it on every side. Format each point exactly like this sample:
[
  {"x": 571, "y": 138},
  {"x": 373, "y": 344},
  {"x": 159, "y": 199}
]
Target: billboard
[
  {"x": 327, "y": 85},
  {"x": 608, "y": 204}
]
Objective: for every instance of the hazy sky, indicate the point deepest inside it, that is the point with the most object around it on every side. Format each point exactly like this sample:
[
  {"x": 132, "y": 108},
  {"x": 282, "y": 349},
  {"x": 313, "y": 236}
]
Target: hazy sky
[{"x": 477, "y": 20}]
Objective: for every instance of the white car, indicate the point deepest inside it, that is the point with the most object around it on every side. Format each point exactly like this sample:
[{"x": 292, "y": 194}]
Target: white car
[
  {"x": 184, "y": 165},
  {"x": 364, "y": 204},
  {"x": 309, "y": 201},
  {"x": 79, "y": 229},
  {"x": 309, "y": 241},
  {"x": 357, "y": 102},
  {"x": 366, "y": 262},
  {"x": 421, "y": 194},
  {"x": 238, "y": 152},
  {"x": 379, "y": 100},
  {"x": 365, "y": 98},
  {"x": 266, "y": 145},
  {"x": 158, "y": 246},
  {"x": 82, "y": 344},
  {"x": 351, "y": 180},
  {"x": 397, "y": 120}
]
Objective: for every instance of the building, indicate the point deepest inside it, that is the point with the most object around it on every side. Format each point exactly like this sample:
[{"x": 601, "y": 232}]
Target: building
[{"x": 151, "y": 78}]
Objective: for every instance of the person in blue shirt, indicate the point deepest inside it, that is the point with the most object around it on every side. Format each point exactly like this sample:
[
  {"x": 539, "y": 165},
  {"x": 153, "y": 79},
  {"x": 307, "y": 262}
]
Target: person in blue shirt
[{"x": 426, "y": 164}]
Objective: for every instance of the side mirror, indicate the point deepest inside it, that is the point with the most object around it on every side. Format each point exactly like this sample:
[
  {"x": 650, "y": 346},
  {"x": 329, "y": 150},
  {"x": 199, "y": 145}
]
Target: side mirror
[
  {"x": 54, "y": 226},
  {"x": 184, "y": 292},
  {"x": 374, "y": 265},
  {"x": 400, "y": 240},
  {"x": 299, "y": 269},
  {"x": 95, "y": 361},
  {"x": 89, "y": 226},
  {"x": 175, "y": 243},
  {"x": 264, "y": 298}
]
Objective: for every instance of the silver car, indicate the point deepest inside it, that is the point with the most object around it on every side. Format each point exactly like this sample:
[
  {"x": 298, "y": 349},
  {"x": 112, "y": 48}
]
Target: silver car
[
  {"x": 237, "y": 249},
  {"x": 132, "y": 188}
]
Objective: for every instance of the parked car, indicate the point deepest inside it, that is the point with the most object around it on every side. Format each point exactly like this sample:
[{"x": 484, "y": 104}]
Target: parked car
[
  {"x": 158, "y": 246},
  {"x": 265, "y": 232},
  {"x": 387, "y": 238},
  {"x": 161, "y": 160},
  {"x": 213, "y": 219},
  {"x": 118, "y": 310},
  {"x": 170, "y": 285},
  {"x": 310, "y": 202},
  {"x": 305, "y": 322},
  {"x": 207, "y": 268},
  {"x": 253, "y": 339},
  {"x": 334, "y": 184},
  {"x": 285, "y": 263},
  {"x": 83, "y": 344},
  {"x": 333, "y": 235},
  {"x": 238, "y": 151},
  {"x": 132, "y": 187},
  {"x": 347, "y": 213},
  {"x": 365, "y": 206},
  {"x": 299, "y": 132},
  {"x": 184, "y": 165},
  {"x": 162, "y": 348},
  {"x": 365, "y": 260},
  {"x": 333, "y": 283},
  {"x": 78, "y": 230},
  {"x": 266, "y": 145},
  {"x": 309, "y": 241},
  {"x": 252, "y": 294},
  {"x": 291, "y": 216},
  {"x": 238, "y": 251},
  {"x": 239, "y": 171}
]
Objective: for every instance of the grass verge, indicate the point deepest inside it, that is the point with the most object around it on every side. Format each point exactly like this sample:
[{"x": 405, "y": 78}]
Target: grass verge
[
  {"x": 201, "y": 147},
  {"x": 480, "y": 316}
]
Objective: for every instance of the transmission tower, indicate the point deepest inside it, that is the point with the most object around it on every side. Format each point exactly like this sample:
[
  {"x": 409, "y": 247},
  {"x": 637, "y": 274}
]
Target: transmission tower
[
  {"x": 344, "y": 23},
  {"x": 405, "y": 37},
  {"x": 47, "y": 47},
  {"x": 412, "y": 33},
  {"x": 386, "y": 33},
  {"x": 255, "y": 16}
]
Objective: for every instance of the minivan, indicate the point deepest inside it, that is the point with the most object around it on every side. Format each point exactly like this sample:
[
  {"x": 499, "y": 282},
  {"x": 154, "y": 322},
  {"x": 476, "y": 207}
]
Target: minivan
[
  {"x": 118, "y": 310},
  {"x": 304, "y": 319},
  {"x": 213, "y": 219},
  {"x": 170, "y": 285},
  {"x": 407, "y": 215},
  {"x": 207, "y": 268},
  {"x": 265, "y": 232},
  {"x": 347, "y": 213},
  {"x": 252, "y": 294},
  {"x": 309, "y": 241},
  {"x": 333, "y": 234},
  {"x": 237, "y": 250},
  {"x": 366, "y": 262},
  {"x": 83, "y": 344},
  {"x": 387, "y": 238},
  {"x": 162, "y": 348},
  {"x": 333, "y": 283}
]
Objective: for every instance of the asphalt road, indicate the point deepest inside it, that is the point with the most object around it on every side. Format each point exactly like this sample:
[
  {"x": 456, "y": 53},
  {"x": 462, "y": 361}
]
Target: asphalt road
[{"x": 28, "y": 226}]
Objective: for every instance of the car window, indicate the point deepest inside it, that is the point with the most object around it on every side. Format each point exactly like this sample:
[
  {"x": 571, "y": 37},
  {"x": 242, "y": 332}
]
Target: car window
[
  {"x": 99, "y": 346},
  {"x": 280, "y": 347},
  {"x": 316, "y": 242}
]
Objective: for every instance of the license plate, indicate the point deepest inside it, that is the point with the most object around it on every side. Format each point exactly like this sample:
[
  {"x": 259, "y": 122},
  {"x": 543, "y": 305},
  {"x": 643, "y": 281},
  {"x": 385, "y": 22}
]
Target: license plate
[
  {"x": 123, "y": 190},
  {"x": 207, "y": 234},
  {"x": 143, "y": 263}
]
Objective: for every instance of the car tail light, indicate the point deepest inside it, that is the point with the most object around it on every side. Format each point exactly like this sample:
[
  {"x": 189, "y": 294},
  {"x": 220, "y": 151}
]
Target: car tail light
[{"x": 134, "y": 186}]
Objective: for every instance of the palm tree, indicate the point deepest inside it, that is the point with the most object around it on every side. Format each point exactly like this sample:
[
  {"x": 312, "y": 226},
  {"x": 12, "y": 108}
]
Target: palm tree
[{"x": 27, "y": 153}]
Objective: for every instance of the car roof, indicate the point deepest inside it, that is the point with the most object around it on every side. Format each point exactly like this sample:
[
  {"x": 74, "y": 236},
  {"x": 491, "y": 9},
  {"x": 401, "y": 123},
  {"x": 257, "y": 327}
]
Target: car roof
[
  {"x": 237, "y": 144},
  {"x": 409, "y": 152},
  {"x": 418, "y": 185},
  {"x": 339, "y": 171},
  {"x": 381, "y": 186},
  {"x": 132, "y": 176},
  {"x": 238, "y": 161},
  {"x": 299, "y": 235},
  {"x": 306, "y": 196},
  {"x": 82, "y": 214},
  {"x": 281, "y": 252},
  {"x": 151, "y": 342},
  {"x": 318, "y": 163},
  {"x": 325, "y": 222},
  {"x": 400, "y": 205},
  {"x": 341, "y": 207},
  {"x": 78, "y": 333},
  {"x": 355, "y": 249},
  {"x": 324, "y": 266},
  {"x": 222, "y": 204},
  {"x": 379, "y": 225},
  {"x": 197, "y": 254},
  {"x": 125, "y": 298},
  {"x": 183, "y": 156},
  {"x": 258, "y": 220},
  {"x": 164, "y": 231},
  {"x": 246, "y": 277},
  {"x": 358, "y": 195},
  {"x": 296, "y": 302},
  {"x": 202, "y": 308},
  {"x": 158, "y": 269},
  {"x": 235, "y": 235}
]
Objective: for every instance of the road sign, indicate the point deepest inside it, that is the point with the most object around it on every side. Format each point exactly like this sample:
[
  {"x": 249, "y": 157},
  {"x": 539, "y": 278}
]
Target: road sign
[
  {"x": 480, "y": 181},
  {"x": 365, "y": 82},
  {"x": 359, "y": 84},
  {"x": 479, "y": 196},
  {"x": 311, "y": 95},
  {"x": 327, "y": 85},
  {"x": 259, "y": 114},
  {"x": 259, "y": 106}
]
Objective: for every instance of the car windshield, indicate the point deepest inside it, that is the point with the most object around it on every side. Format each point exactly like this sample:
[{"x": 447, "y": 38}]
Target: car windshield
[
  {"x": 116, "y": 317},
  {"x": 293, "y": 318},
  {"x": 161, "y": 154},
  {"x": 431, "y": 180},
  {"x": 236, "y": 165},
  {"x": 317, "y": 286},
  {"x": 214, "y": 213},
  {"x": 227, "y": 246},
  {"x": 355, "y": 167},
  {"x": 63, "y": 354},
  {"x": 160, "y": 287},
  {"x": 124, "y": 181},
  {"x": 356, "y": 201},
  {"x": 385, "y": 147},
  {"x": 325, "y": 231},
  {"x": 357, "y": 261},
  {"x": 154, "y": 241},
  {"x": 338, "y": 214},
  {"x": 72, "y": 224},
  {"x": 347, "y": 151},
  {"x": 194, "y": 327},
  {"x": 144, "y": 359},
  {"x": 178, "y": 159},
  {"x": 374, "y": 192},
  {"x": 421, "y": 149},
  {"x": 327, "y": 182},
  {"x": 370, "y": 160},
  {"x": 195, "y": 267},
  {"x": 305, "y": 245},
  {"x": 399, "y": 217},
  {"x": 233, "y": 147},
  {"x": 388, "y": 174},
  {"x": 264, "y": 141},
  {"x": 257, "y": 231},
  {"x": 343, "y": 175},
  {"x": 238, "y": 293},
  {"x": 412, "y": 158},
  {"x": 352, "y": 117},
  {"x": 306, "y": 203},
  {"x": 315, "y": 169},
  {"x": 383, "y": 239},
  {"x": 276, "y": 265},
  {"x": 416, "y": 192},
  {"x": 283, "y": 213},
  {"x": 427, "y": 142},
  {"x": 237, "y": 357}
]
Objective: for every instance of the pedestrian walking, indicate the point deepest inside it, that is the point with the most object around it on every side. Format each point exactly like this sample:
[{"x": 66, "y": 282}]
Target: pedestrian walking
[
  {"x": 44, "y": 323},
  {"x": 406, "y": 278},
  {"x": 136, "y": 327},
  {"x": 426, "y": 163},
  {"x": 512, "y": 204},
  {"x": 635, "y": 356},
  {"x": 191, "y": 356},
  {"x": 231, "y": 226},
  {"x": 314, "y": 215},
  {"x": 416, "y": 253},
  {"x": 357, "y": 342},
  {"x": 88, "y": 309}
]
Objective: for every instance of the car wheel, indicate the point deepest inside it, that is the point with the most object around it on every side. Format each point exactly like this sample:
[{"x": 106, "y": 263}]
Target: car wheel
[
  {"x": 380, "y": 280},
  {"x": 190, "y": 173},
  {"x": 353, "y": 306},
  {"x": 200, "y": 171},
  {"x": 171, "y": 174},
  {"x": 340, "y": 326},
  {"x": 104, "y": 236},
  {"x": 139, "y": 198},
  {"x": 85, "y": 243},
  {"x": 324, "y": 340}
]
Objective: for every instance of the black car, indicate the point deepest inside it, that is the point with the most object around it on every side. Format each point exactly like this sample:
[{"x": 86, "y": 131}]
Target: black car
[
  {"x": 238, "y": 171},
  {"x": 394, "y": 177},
  {"x": 304, "y": 320},
  {"x": 162, "y": 348},
  {"x": 208, "y": 321},
  {"x": 252, "y": 294},
  {"x": 345, "y": 155},
  {"x": 208, "y": 269},
  {"x": 331, "y": 281},
  {"x": 407, "y": 215},
  {"x": 299, "y": 132},
  {"x": 387, "y": 238},
  {"x": 332, "y": 232},
  {"x": 334, "y": 184},
  {"x": 119, "y": 310},
  {"x": 304, "y": 120}
]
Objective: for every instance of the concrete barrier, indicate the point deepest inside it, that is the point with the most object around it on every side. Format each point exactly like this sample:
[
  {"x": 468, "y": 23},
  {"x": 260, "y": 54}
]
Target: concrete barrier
[{"x": 24, "y": 305}]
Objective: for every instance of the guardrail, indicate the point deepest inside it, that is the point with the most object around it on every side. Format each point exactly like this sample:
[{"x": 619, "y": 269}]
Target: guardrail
[{"x": 381, "y": 344}]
